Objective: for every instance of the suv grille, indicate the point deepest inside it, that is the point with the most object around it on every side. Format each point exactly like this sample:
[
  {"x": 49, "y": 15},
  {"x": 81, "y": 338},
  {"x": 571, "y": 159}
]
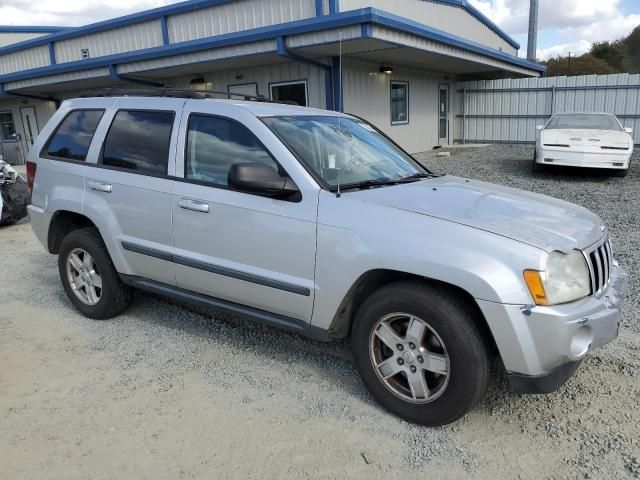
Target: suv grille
[{"x": 600, "y": 262}]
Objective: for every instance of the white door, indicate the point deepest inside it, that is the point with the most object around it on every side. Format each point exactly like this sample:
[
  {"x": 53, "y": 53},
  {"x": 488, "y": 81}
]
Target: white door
[
  {"x": 443, "y": 115},
  {"x": 30, "y": 125}
]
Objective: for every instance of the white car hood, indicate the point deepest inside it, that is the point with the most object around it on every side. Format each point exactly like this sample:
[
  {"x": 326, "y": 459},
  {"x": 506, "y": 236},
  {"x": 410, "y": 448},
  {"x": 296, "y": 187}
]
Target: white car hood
[
  {"x": 544, "y": 222},
  {"x": 594, "y": 138}
]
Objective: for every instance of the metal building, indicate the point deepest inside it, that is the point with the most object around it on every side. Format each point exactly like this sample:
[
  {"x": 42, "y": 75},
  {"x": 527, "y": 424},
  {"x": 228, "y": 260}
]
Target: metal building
[{"x": 393, "y": 63}]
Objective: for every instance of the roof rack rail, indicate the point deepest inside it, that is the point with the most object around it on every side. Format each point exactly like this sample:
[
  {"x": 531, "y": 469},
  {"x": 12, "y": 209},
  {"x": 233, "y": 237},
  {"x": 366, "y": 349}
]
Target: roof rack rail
[{"x": 175, "y": 93}]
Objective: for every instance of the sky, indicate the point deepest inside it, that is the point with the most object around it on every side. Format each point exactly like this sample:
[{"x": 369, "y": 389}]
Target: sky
[{"x": 565, "y": 25}]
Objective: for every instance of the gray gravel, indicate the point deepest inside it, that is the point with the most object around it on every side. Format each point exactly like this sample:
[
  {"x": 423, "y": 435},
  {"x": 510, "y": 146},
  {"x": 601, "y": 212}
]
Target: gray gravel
[{"x": 167, "y": 392}]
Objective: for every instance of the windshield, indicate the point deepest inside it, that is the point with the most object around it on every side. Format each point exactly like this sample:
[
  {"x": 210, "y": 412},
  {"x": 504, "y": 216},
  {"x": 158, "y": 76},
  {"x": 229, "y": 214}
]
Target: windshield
[
  {"x": 584, "y": 121},
  {"x": 343, "y": 150}
]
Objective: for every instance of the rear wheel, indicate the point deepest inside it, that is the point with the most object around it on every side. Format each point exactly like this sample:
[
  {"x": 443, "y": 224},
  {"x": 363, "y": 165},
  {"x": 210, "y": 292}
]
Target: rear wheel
[
  {"x": 421, "y": 353},
  {"x": 89, "y": 277}
]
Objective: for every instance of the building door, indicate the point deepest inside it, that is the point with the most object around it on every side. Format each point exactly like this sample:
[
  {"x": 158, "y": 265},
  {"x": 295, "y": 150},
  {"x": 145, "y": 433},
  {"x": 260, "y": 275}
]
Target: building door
[
  {"x": 443, "y": 115},
  {"x": 9, "y": 143},
  {"x": 30, "y": 125}
]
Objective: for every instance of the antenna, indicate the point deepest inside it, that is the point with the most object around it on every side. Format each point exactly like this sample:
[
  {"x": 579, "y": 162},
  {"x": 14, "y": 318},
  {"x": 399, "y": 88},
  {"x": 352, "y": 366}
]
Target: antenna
[{"x": 340, "y": 108}]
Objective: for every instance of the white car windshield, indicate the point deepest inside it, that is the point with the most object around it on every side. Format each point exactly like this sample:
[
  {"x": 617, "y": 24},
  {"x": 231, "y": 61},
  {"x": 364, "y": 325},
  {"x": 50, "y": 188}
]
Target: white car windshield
[
  {"x": 584, "y": 121},
  {"x": 345, "y": 151}
]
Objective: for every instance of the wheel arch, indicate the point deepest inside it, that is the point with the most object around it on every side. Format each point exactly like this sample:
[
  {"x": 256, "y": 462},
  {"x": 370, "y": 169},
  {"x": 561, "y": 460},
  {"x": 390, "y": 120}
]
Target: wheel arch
[
  {"x": 372, "y": 280},
  {"x": 62, "y": 223}
]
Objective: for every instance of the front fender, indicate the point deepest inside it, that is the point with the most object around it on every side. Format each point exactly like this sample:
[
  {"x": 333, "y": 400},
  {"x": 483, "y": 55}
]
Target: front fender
[{"x": 356, "y": 237}]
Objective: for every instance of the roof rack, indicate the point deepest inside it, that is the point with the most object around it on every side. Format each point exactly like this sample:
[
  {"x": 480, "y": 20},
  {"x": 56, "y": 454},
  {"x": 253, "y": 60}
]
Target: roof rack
[{"x": 175, "y": 93}]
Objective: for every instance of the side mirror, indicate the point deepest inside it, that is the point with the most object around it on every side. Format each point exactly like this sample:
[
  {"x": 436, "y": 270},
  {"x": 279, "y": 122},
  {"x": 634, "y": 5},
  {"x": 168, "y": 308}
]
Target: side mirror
[
  {"x": 255, "y": 177},
  {"x": 539, "y": 127},
  {"x": 629, "y": 130}
]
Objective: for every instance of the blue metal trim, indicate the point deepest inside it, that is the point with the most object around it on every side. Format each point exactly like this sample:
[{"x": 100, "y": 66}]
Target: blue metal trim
[
  {"x": 165, "y": 30},
  {"x": 319, "y": 9},
  {"x": 366, "y": 30},
  {"x": 334, "y": 7},
  {"x": 272, "y": 32},
  {"x": 30, "y": 29},
  {"x": 52, "y": 53},
  {"x": 113, "y": 73}
]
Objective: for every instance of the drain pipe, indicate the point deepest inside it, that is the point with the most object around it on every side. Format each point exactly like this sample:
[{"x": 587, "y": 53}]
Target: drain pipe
[{"x": 283, "y": 51}]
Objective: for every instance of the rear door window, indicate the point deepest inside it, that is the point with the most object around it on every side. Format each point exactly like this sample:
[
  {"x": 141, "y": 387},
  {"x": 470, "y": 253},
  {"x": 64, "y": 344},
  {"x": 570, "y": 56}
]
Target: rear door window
[
  {"x": 72, "y": 138},
  {"x": 139, "y": 140}
]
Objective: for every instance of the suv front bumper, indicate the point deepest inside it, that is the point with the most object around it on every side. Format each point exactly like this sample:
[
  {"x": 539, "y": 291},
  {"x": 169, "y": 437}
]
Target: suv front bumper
[{"x": 542, "y": 346}]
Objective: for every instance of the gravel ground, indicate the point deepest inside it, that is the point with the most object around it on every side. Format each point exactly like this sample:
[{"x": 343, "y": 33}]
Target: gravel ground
[{"x": 166, "y": 392}]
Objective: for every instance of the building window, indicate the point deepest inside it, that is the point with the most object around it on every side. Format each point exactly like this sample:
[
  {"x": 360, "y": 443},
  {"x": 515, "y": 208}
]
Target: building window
[
  {"x": 214, "y": 144},
  {"x": 295, "y": 92},
  {"x": 7, "y": 127},
  {"x": 399, "y": 103},
  {"x": 139, "y": 140},
  {"x": 72, "y": 139}
]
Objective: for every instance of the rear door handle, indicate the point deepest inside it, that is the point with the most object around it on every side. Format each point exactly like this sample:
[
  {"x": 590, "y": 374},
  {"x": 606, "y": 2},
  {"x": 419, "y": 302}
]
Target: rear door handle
[
  {"x": 194, "y": 205},
  {"x": 100, "y": 187}
]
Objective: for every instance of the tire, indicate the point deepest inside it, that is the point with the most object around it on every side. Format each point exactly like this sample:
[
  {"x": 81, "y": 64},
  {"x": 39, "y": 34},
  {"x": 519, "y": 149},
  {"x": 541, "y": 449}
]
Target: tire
[
  {"x": 106, "y": 301},
  {"x": 620, "y": 173},
  {"x": 535, "y": 166},
  {"x": 452, "y": 332}
]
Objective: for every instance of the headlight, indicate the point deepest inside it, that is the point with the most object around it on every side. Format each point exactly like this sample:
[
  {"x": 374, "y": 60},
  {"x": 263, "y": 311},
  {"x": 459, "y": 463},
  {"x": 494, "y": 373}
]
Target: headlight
[{"x": 564, "y": 279}]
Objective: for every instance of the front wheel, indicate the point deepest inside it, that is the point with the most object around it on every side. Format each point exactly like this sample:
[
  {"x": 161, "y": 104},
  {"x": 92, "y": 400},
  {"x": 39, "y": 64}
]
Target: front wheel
[{"x": 421, "y": 353}]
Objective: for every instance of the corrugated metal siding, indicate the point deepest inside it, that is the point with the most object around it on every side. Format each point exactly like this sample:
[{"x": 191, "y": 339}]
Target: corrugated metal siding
[
  {"x": 444, "y": 17},
  {"x": 508, "y": 110},
  {"x": 125, "y": 39},
  {"x": 325, "y": 36},
  {"x": 235, "y": 17},
  {"x": 199, "y": 57},
  {"x": 24, "y": 60},
  {"x": 367, "y": 94},
  {"x": 410, "y": 40},
  {"x": 61, "y": 78},
  {"x": 7, "y": 38},
  {"x": 263, "y": 76}
]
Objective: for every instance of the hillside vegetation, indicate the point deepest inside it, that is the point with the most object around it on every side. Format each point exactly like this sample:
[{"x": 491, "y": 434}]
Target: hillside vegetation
[{"x": 618, "y": 56}]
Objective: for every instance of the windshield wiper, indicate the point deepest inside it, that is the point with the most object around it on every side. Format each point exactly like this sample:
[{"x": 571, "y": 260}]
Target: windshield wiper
[{"x": 387, "y": 181}]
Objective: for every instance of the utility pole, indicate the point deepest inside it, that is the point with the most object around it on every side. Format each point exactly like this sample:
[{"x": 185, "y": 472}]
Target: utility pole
[
  {"x": 532, "y": 38},
  {"x": 569, "y": 65}
]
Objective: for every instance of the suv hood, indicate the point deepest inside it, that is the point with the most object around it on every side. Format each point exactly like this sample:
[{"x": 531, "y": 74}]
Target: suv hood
[{"x": 544, "y": 222}]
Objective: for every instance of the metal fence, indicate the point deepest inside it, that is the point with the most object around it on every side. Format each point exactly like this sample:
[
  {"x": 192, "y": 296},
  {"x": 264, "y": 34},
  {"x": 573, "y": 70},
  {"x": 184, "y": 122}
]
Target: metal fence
[{"x": 508, "y": 110}]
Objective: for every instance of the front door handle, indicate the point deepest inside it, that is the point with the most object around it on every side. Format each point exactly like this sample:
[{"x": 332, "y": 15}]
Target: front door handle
[
  {"x": 194, "y": 205},
  {"x": 100, "y": 187}
]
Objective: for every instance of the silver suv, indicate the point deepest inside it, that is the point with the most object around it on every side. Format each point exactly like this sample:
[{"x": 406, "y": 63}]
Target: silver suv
[{"x": 317, "y": 223}]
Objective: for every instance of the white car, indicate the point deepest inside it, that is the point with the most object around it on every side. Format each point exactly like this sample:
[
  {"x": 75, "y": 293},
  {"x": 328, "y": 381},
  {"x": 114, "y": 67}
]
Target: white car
[{"x": 591, "y": 140}]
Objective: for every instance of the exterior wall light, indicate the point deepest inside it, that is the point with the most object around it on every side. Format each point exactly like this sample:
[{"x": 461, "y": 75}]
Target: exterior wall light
[{"x": 385, "y": 69}]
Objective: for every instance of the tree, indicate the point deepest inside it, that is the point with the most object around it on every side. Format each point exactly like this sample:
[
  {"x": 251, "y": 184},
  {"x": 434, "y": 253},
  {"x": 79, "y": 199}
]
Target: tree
[
  {"x": 618, "y": 56},
  {"x": 583, "y": 65},
  {"x": 614, "y": 53}
]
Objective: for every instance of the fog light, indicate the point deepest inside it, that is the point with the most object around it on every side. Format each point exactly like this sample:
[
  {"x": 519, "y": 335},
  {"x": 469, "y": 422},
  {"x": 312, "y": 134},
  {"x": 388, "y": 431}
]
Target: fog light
[
  {"x": 617, "y": 164},
  {"x": 581, "y": 341},
  {"x": 548, "y": 160}
]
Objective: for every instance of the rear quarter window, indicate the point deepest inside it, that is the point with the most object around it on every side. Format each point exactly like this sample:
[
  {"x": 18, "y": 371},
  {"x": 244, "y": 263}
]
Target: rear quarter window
[
  {"x": 139, "y": 140},
  {"x": 72, "y": 139}
]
